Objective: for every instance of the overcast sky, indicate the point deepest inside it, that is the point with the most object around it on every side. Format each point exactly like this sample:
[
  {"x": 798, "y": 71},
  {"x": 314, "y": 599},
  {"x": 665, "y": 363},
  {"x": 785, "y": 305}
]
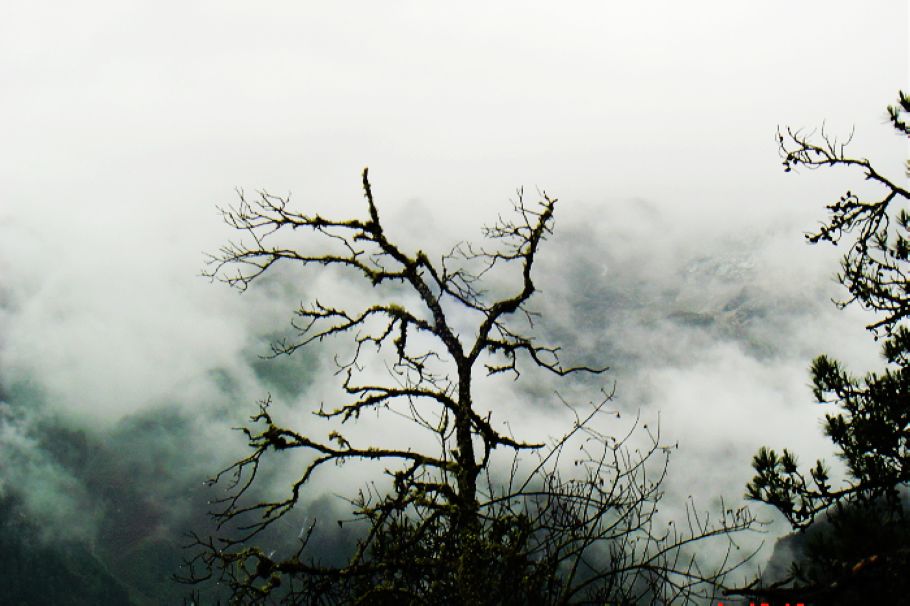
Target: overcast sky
[{"x": 125, "y": 123}]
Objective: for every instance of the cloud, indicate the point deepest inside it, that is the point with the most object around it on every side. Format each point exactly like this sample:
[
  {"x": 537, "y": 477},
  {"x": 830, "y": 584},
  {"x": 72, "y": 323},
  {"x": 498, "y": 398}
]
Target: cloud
[
  {"x": 119, "y": 401},
  {"x": 677, "y": 258}
]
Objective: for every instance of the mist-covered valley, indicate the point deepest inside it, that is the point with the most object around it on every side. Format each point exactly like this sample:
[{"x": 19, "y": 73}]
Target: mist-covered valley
[
  {"x": 678, "y": 256},
  {"x": 708, "y": 335}
]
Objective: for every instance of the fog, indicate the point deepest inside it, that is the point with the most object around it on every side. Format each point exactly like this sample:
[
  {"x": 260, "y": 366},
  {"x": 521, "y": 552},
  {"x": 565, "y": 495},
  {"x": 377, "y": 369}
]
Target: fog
[{"x": 678, "y": 257}]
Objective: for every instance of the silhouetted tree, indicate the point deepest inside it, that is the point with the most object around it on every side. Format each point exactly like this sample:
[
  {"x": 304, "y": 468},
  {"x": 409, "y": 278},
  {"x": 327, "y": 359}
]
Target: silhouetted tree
[
  {"x": 863, "y": 554},
  {"x": 447, "y": 527}
]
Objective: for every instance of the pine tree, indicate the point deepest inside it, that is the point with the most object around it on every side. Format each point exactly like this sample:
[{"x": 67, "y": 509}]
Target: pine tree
[{"x": 862, "y": 554}]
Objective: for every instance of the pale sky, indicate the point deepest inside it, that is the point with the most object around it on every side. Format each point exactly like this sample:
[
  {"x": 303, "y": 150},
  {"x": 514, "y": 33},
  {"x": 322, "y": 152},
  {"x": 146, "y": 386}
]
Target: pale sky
[{"x": 125, "y": 123}]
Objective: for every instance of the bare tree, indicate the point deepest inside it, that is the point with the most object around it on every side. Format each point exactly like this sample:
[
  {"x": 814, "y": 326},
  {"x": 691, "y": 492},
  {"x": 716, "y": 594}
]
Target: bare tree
[{"x": 449, "y": 528}]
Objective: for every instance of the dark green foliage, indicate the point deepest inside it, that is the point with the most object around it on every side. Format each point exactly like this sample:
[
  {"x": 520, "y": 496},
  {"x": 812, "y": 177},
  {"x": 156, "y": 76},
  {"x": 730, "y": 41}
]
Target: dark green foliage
[
  {"x": 37, "y": 572},
  {"x": 418, "y": 565},
  {"x": 856, "y": 554},
  {"x": 869, "y": 433},
  {"x": 861, "y": 556}
]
